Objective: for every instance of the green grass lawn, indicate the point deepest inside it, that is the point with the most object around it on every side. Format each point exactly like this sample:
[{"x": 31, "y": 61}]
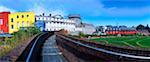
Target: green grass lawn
[{"x": 132, "y": 41}]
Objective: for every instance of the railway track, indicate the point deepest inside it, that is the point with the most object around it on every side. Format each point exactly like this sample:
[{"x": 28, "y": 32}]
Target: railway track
[
  {"x": 97, "y": 52},
  {"x": 34, "y": 50},
  {"x": 84, "y": 50},
  {"x": 50, "y": 51}
]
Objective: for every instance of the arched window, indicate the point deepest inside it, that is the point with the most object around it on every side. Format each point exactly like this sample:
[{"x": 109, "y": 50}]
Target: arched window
[
  {"x": 12, "y": 20},
  {"x": 12, "y": 26},
  {"x": 17, "y": 16},
  {"x": 27, "y": 15},
  {"x": 22, "y": 16}
]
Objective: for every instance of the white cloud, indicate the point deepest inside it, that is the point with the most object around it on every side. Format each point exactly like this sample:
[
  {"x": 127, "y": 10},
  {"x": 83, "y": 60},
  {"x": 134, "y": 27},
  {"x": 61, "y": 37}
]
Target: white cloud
[
  {"x": 64, "y": 7},
  {"x": 39, "y": 9},
  {"x": 58, "y": 12},
  {"x": 3, "y": 8}
]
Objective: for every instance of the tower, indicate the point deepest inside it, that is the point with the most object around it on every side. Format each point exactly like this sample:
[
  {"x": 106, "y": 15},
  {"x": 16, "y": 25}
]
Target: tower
[{"x": 76, "y": 18}]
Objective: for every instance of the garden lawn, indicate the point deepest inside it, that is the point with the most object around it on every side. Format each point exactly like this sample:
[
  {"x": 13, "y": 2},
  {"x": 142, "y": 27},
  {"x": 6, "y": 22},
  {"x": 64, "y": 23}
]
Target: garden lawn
[{"x": 133, "y": 41}]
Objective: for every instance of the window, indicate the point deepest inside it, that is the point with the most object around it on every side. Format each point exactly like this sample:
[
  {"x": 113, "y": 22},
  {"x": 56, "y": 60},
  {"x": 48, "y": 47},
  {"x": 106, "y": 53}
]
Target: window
[
  {"x": 12, "y": 26},
  {"x": 22, "y": 16},
  {"x": 27, "y": 15},
  {"x": 36, "y": 18},
  {"x": 12, "y": 20},
  {"x": 17, "y": 16}
]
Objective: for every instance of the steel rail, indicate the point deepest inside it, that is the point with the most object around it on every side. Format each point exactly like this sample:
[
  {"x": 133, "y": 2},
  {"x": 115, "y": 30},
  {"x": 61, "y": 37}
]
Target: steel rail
[{"x": 30, "y": 53}]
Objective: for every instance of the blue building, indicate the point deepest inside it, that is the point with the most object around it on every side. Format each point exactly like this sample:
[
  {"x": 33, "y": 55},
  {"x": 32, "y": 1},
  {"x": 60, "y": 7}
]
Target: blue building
[{"x": 40, "y": 24}]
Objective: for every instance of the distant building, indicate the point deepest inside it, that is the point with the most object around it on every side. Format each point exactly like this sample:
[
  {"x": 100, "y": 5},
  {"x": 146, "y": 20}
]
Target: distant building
[
  {"x": 56, "y": 23},
  {"x": 20, "y": 19},
  {"x": 115, "y": 30},
  {"x": 76, "y": 18},
  {"x": 100, "y": 30},
  {"x": 78, "y": 23},
  {"x": 40, "y": 25},
  {"x": 122, "y": 27},
  {"x": 124, "y": 30},
  {"x": 4, "y": 22},
  {"x": 13, "y": 22},
  {"x": 72, "y": 24},
  {"x": 143, "y": 30},
  {"x": 88, "y": 28}
]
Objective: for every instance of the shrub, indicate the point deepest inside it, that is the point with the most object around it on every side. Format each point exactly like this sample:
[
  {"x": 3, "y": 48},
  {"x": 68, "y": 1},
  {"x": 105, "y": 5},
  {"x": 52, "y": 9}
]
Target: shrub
[{"x": 18, "y": 37}]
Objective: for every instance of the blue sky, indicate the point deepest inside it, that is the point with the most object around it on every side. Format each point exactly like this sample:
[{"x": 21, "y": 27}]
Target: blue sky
[{"x": 97, "y": 12}]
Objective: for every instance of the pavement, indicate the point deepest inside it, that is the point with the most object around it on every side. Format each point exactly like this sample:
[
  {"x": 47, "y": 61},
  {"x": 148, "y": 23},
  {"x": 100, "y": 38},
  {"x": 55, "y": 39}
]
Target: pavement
[{"x": 50, "y": 51}]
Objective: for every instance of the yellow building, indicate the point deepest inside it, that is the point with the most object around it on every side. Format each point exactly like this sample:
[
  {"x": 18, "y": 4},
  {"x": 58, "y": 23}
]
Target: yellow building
[{"x": 20, "y": 19}]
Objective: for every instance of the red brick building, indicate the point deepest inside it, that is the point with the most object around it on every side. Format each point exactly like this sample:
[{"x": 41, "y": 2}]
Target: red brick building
[
  {"x": 123, "y": 32},
  {"x": 4, "y": 22}
]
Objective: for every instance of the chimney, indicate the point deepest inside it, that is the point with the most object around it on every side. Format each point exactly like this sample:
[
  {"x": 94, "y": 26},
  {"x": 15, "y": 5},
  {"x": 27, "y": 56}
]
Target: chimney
[
  {"x": 43, "y": 14},
  {"x": 40, "y": 15},
  {"x": 50, "y": 15}
]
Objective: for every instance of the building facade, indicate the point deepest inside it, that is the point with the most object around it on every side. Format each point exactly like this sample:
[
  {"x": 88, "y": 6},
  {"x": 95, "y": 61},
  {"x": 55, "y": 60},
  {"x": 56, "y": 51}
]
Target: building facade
[
  {"x": 78, "y": 23},
  {"x": 40, "y": 25},
  {"x": 20, "y": 19},
  {"x": 72, "y": 24},
  {"x": 115, "y": 30},
  {"x": 123, "y": 30},
  {"x": 56, "y": 23},
  {"x": 4, "y": 22},
  {"x": 88, "y": 28},
  {"x": 76, "y": 18}
]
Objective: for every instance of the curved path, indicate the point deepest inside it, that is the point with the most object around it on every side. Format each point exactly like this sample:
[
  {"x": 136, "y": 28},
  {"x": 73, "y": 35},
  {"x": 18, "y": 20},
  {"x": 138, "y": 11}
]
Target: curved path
[{"x": 51, "y": 52}]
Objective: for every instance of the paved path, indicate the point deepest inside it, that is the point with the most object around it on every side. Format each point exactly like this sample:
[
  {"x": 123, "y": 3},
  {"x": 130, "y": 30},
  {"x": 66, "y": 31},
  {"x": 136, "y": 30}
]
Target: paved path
[{"x": 51, "y": 52}]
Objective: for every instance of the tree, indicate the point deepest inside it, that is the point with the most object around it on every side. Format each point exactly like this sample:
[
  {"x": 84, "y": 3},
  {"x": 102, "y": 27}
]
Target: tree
[{"x": 81, "y": 34}]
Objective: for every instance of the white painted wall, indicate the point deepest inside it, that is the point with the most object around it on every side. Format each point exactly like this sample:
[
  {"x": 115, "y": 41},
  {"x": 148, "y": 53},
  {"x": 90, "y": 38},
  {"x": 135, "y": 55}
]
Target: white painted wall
[{"x": 53, "y": 24}]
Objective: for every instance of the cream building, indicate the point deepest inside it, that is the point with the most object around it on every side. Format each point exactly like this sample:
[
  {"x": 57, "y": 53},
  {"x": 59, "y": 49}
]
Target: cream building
[
  {"x": 72, "y": 24},
  {"x": 20, "y": 19},
  {"x": 56, "y": 23}
]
